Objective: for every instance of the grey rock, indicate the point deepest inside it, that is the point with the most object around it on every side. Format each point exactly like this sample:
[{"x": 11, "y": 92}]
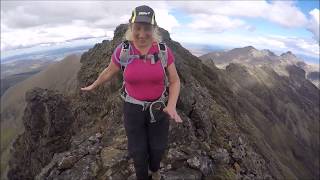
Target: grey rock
[
  {"x": 47, "y": 120},
  {"x": 182, "y": 173},
  {"x": 202, "y": 163},
  {"x": 220, "y": 156}
]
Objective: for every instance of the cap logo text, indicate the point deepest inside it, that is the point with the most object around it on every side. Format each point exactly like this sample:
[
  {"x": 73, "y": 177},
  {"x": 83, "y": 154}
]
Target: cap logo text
[{"x": 144, "y": 13}]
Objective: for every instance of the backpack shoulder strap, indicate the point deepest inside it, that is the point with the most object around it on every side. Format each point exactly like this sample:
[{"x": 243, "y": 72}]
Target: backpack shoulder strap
[
  {"x": 124, "y": 54},
  {"x": 124, "y": 59},
  {"x": 163, "y": 53}
]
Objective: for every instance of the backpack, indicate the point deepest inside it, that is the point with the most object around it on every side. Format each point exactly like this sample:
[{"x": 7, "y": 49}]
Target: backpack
[{"x": 126, "y": 57}]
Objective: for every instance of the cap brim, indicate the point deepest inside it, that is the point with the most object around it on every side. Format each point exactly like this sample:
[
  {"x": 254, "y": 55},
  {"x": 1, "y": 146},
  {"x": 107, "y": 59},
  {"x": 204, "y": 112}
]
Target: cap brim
[{"x": 143, "y": 19}]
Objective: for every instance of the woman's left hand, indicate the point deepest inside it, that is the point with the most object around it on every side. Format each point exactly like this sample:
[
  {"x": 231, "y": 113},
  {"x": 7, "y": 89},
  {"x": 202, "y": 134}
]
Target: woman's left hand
[{"x": 172, "y": 113}]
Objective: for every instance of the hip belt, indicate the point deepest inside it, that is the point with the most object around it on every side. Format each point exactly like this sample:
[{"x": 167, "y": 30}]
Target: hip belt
[{"x": 155, "y": 107}]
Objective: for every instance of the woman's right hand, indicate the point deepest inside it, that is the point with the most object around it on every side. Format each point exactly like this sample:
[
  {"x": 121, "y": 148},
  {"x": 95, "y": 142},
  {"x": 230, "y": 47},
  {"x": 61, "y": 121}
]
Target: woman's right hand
[{"x": 88, "y": 88}]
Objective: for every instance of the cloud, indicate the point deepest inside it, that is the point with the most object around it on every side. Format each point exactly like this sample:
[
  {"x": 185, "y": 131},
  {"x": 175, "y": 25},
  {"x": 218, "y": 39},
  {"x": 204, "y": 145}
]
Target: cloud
[
  {"x": 165, "y": 19},
  {"x": 29, "y": 13},
  {"x": 221, "y": 16},
  {"x": 280, "y": 12},
  {"x": 58, "y": 34},
  {"x": 300, "y": 45},
  {"x": 28, "y": 23},
  {"x": 216, "y": 23},
  {"x": 285, "y": 13},
  {"x": 313, "y": 25}
]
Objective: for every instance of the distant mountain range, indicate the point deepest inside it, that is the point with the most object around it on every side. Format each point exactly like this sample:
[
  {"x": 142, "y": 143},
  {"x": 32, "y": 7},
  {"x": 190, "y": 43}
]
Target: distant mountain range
[
  {"x": 16, "y": 68},
  {"x": 50, "y": 51},
  {"x": 251, "y": 56},
  {"x": 17, "y": 71},
  {"x": 54, "y": 54}
]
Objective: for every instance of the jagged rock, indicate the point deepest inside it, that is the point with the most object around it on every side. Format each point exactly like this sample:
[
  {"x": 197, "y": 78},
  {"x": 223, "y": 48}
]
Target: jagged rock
[
  {"x": 182, "y": 173},
  {"x": 237, "y": 167},
  {"x": 67, "y": 162},
  {"x": 238, "y": 153},
  {"x": 47, "y": 169},
  {"x": 202, "y": 163},
  {"x": 175, "y": 154},
  {"x": 85, "y": 169},
  {"x": 47, "y": 120},
  {"x": 168, "y": 167},
  {"x": 82, "y": 162},
  {"x": 120, "y": 142},
  {"x": 96, "y": 138},
  {"x": 113, "y": 157},
  {"x": 99, "y": 136},
  {"x": 194, "y": 162},
  {"x": 220, "y": 156},
  {"x": 296, "y": 72}
]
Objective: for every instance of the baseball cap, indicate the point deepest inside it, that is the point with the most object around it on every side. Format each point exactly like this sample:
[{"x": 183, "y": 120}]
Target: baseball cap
[{"x": 143, "y": 14}]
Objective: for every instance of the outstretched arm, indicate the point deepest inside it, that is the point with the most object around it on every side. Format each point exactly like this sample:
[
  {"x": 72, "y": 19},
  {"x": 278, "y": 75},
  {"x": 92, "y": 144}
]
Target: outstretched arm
[{"x": 104, "y": 76}]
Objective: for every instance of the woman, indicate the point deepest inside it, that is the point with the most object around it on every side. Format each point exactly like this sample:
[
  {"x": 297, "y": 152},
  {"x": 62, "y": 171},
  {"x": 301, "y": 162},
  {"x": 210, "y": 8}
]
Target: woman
[{"x": 144, "y": 81}]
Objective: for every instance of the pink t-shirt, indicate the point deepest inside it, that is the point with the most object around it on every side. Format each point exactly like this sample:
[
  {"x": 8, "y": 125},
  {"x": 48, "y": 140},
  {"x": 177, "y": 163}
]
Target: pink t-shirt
[{"x": 143, "y": 80}]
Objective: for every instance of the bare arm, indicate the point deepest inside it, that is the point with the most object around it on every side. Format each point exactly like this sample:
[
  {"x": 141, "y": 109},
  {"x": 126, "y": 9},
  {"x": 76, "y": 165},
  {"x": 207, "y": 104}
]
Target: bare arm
[
  {"x": 104, "y": 76},
  {"x": 174, "y": 85},
  {"x": 174, "y": 90}
]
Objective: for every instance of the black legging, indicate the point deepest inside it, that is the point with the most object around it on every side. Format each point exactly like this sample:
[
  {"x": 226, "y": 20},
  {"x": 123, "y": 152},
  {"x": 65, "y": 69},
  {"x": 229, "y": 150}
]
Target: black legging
[{"x": 146, "y": 141}]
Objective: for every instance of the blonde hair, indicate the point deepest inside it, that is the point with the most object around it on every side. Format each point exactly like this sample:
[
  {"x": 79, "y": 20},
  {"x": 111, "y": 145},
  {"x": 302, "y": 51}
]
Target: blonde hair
[{"x": 155, "y": 34}]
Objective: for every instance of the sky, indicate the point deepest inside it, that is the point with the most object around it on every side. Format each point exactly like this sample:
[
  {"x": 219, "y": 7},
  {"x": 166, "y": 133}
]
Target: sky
[{"x": 279, "y": 26}]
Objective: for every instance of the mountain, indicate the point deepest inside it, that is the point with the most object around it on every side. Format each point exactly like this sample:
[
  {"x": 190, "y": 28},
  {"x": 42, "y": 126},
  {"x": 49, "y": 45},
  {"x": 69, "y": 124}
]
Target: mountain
[
  {"x": 251, "y": 56},
  {"x": 238, "y": 123},
  {"x": 23, "y": 66},
  {"x": 11, "y": 80},
  {"x": 59, "y": 76},
  {"x": 16, "y": 71},
  {"x": 52, "y": 52}
]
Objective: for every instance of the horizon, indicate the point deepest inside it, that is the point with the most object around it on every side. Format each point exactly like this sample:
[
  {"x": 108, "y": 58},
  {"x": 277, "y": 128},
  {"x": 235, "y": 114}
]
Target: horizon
[{"x": 226, "y": 25}]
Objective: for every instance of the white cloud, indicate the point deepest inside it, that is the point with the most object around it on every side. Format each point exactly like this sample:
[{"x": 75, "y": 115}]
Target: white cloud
[
  {"x": 26, "y": 23},
  {"x": 30, "y": 13},
  {"x": 221, "y": 16},
  {"x": 300, "y": 45},
  {"x": 285, "y": 13},
  {"x": 267, "y": 42},
  {"x": 166, "y": 20},
  {"x": 280, "y": 12},
  {"x": 313, "y": 25},
  {"x": 216, "y": 23},
  {"x": 36, "y": 35},
  {"x": 227, "y": 8}
]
